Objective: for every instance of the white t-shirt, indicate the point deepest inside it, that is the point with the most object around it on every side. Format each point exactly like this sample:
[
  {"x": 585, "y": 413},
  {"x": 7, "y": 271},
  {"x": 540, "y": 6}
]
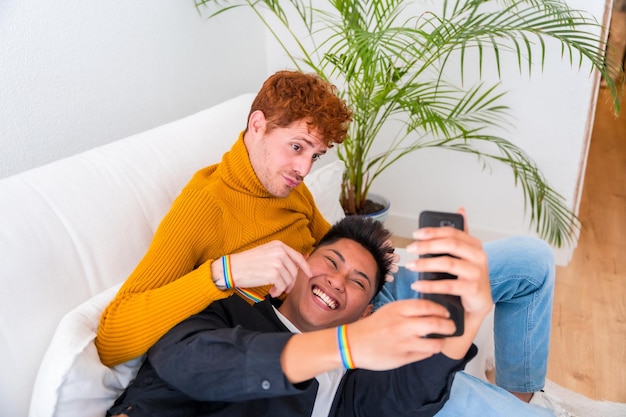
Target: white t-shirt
[{"x": 328, "y": 381}]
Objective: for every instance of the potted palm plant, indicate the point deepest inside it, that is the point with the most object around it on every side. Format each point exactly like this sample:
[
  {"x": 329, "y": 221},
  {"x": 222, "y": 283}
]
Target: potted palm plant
[{"x": 392, "y": 63}]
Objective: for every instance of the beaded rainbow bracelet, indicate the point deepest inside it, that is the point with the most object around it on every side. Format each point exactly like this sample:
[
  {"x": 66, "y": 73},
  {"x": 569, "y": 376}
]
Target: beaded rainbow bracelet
[
  {"x": 344, "y": 347},
  {"x": 228, "y": 276}
]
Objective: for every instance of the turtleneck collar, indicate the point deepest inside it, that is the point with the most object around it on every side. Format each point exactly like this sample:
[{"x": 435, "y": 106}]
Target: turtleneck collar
[{"x": 237, "y": 170}]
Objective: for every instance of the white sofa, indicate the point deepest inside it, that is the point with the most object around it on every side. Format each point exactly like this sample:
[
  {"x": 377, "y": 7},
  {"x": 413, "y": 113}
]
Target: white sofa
[{"x": 73, "y": 230}]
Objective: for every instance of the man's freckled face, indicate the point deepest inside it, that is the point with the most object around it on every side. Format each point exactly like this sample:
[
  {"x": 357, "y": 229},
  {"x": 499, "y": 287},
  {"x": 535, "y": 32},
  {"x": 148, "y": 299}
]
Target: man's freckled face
[{"x": 282, "y": 158}]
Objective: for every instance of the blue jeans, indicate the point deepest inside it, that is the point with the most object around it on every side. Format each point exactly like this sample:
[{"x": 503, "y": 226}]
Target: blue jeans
[
  {"x": 472, "y": 397},
  {"x": 521, "y": 271}
]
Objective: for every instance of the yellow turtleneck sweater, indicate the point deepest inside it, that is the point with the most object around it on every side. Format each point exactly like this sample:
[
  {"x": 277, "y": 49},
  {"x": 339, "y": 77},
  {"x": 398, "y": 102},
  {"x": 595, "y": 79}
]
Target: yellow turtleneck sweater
[{"x": 224, "y": 209}]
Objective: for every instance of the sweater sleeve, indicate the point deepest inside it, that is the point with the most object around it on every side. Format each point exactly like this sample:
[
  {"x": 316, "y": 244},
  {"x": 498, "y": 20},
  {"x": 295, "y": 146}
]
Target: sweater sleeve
[
  {"x": 419, "y": 389},
  {"x": 167, "y": 286}
]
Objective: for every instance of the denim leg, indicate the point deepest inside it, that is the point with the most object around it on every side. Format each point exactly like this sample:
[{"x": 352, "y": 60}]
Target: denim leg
[
  {"x": 398, "y": 289},
  {"x": 472, "y": 397},
  {"x": 521, "y": 271}
]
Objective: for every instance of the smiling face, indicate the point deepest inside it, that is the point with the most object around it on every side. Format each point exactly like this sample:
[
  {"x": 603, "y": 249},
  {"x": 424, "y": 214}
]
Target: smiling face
[
  {"x": 340, "y": 290},
  {"x": 284, "y": 156}
]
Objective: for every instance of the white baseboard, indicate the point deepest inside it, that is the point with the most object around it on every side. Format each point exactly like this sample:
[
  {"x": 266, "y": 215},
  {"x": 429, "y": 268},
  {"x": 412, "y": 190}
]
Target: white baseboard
[{"x": 403, "y": 226}]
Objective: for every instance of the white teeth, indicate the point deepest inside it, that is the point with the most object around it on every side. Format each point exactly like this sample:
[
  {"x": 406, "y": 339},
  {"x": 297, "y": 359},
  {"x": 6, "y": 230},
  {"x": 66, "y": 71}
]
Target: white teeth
[{"x": 332, "y": 304}]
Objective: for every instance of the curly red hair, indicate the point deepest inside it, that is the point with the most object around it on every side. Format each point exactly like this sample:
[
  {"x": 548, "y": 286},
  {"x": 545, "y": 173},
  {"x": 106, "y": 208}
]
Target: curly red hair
[{"x": 291, "y": 96}]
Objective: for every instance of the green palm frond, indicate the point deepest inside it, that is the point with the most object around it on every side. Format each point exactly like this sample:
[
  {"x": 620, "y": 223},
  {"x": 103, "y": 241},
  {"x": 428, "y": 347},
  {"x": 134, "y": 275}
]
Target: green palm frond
[{"x": 391, "y": 64}]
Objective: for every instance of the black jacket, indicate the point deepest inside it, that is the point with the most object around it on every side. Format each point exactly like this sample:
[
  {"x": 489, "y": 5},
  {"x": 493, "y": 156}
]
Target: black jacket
[{"x": 225, "y": 361}]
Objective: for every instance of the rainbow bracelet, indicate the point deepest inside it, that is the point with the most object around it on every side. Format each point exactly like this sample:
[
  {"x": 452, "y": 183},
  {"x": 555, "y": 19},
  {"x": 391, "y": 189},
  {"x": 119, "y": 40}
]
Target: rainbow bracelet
[
  {"x": 250, "y": 294},
  {"x": 228, "y": 276},
  {"x": 344, "y": 347}
]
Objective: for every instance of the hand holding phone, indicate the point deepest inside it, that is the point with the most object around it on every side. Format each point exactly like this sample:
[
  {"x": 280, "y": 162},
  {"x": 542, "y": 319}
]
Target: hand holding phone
[{"x": 451, "y": 302}]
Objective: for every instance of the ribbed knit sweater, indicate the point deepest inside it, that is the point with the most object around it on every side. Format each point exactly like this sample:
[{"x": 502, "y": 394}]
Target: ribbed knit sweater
[{"x": 224, "y": 209}]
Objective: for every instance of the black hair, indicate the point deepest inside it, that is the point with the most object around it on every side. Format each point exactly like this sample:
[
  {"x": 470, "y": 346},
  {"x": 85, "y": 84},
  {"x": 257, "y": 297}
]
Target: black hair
[{"x": 369, "y": 233}]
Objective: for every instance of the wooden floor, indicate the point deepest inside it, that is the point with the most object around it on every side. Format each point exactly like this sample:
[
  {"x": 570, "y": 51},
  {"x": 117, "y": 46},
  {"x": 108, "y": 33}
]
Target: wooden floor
[{"x": 588, "y": 343}]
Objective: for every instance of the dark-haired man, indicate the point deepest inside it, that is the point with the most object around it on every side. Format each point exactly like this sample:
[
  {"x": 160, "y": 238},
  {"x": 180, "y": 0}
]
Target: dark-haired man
[{"x": 290, "y": 358}]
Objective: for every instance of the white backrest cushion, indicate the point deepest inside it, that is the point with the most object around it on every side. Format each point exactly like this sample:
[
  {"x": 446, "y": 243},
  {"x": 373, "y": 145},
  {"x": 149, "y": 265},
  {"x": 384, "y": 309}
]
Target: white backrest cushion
[
  {"x": 73, "y": 228},
  {"x": 325, "y": 185}
]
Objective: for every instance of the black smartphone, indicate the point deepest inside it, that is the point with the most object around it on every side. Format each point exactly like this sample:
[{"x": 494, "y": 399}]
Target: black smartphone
[{"x": 451, "y": 302}]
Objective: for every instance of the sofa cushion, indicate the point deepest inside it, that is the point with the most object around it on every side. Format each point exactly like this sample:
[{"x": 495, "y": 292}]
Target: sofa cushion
[
  {"x": 71, "y": 380},
  {"x": 325, "y": 185}
]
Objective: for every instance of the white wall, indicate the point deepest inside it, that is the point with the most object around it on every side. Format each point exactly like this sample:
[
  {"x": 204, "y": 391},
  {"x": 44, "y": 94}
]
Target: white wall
[{"x": 76, "y": 74}]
